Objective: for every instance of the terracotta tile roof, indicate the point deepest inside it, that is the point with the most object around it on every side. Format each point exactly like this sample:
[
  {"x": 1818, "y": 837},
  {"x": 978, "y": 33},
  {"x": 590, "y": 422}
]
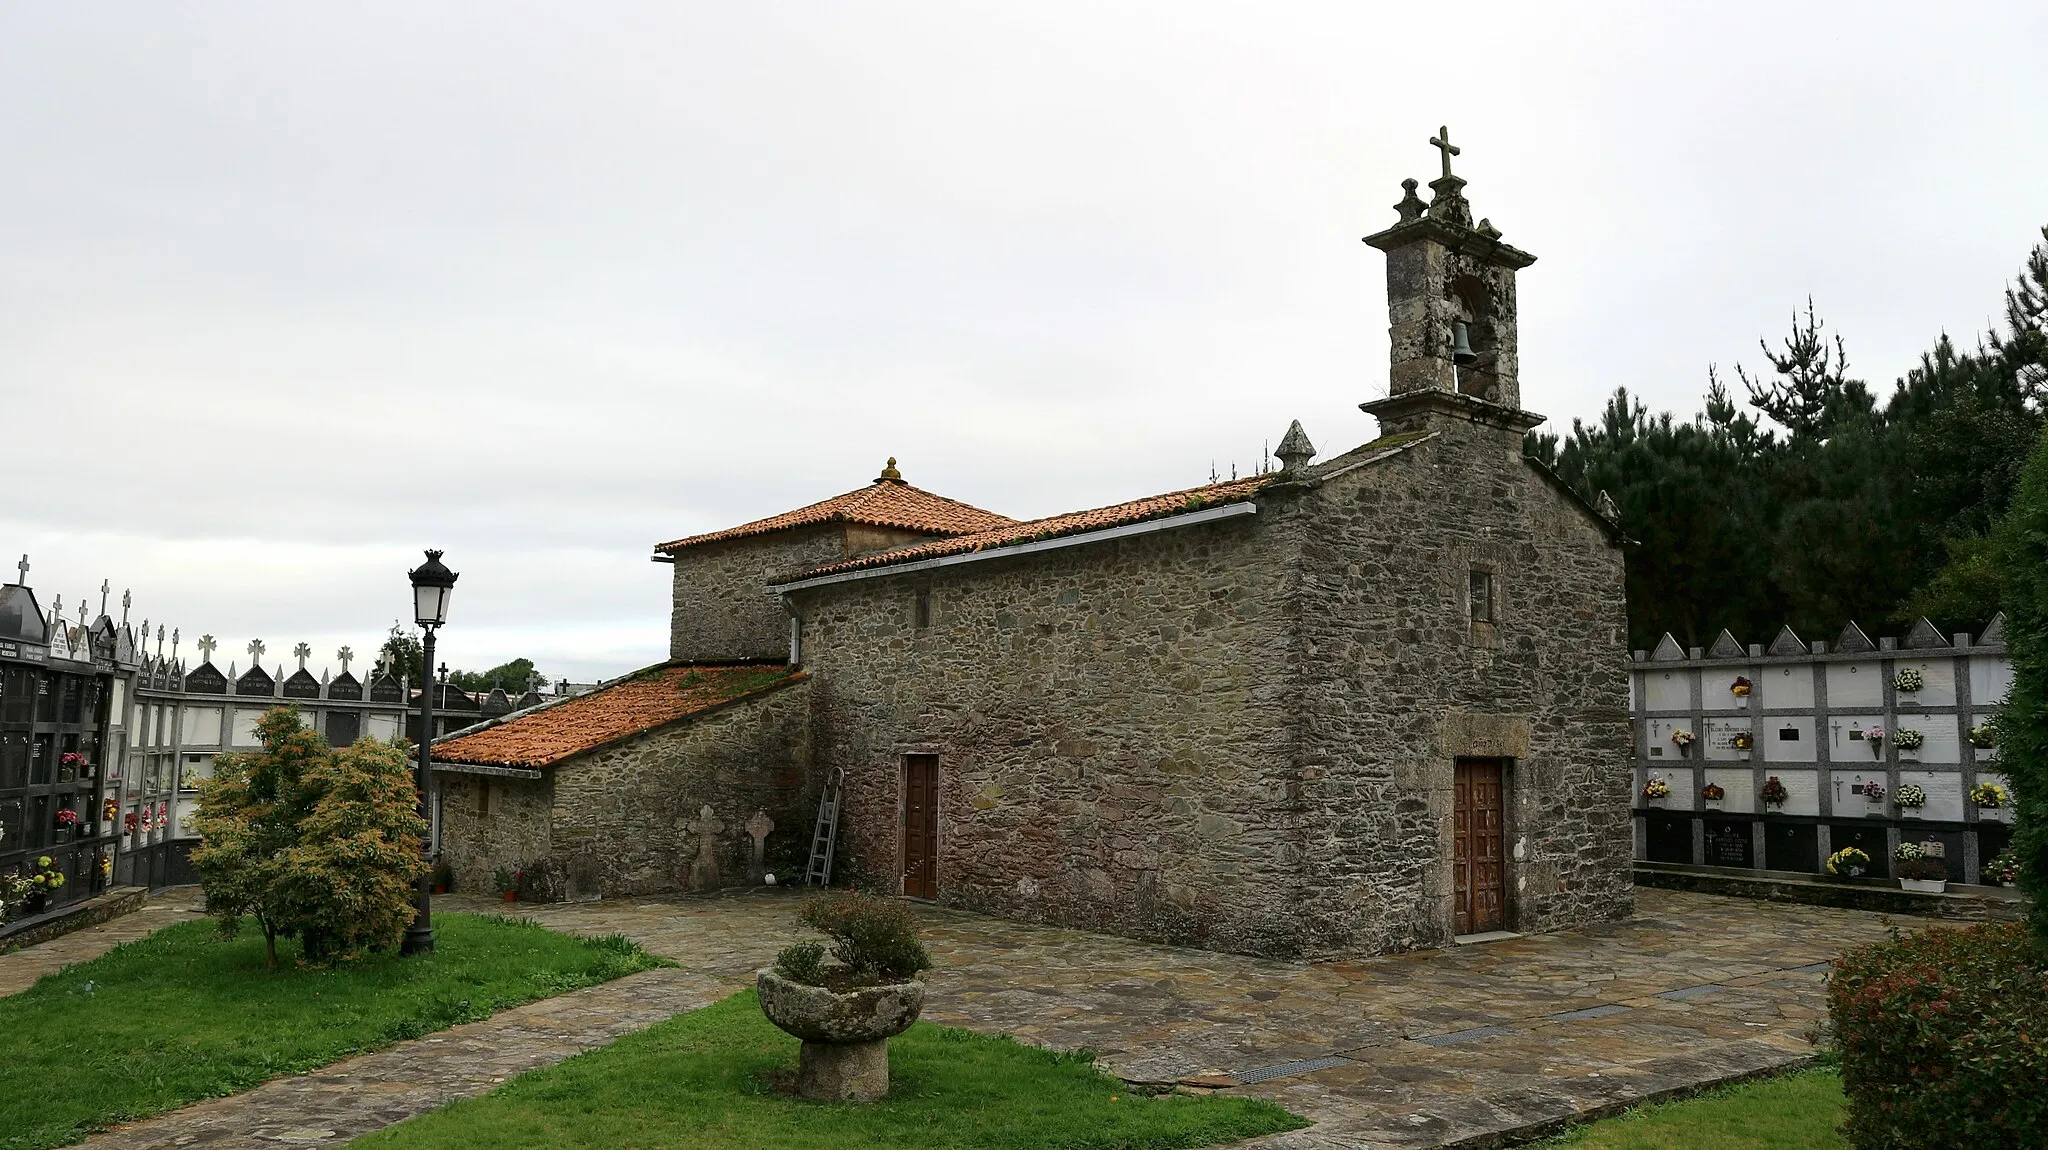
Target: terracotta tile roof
[
  {"x": 887, "y": 502},
  {"x": 557, "y": 731},
  {"x": 1054, "y": 526}
]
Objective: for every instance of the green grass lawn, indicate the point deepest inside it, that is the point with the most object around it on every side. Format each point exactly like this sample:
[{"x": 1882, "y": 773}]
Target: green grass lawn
[
  {"x": 183, "y": 1015},
  {"x": 1795, "y": 1112},
  {"x": 708, "y": 1079}
]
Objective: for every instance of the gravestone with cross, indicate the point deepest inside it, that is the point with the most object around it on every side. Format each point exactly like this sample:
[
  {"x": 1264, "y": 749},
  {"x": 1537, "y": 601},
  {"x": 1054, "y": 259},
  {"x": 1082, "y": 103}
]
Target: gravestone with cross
[
  {"x": 757, "y": 829},
  {"x": 704, "y": 871}
]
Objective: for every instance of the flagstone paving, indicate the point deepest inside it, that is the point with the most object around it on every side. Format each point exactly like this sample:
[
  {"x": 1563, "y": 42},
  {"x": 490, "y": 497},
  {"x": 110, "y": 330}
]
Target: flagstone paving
[{"x": 1466, "y": 1046}]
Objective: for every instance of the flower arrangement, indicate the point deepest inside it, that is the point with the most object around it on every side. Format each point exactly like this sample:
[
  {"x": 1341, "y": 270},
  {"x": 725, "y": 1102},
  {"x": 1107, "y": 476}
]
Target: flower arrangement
[
  {"x": 47, "y": 877},
  {"x": 2004, "y": 869},
  {"x": 1873, "y": 791},
  {"x": 1744, "y": 740},
  {"x": 1773, "y": 791},
  {"x": 110, "y": 810},
  {"x": 1656, "y": 789},
  {"x": 1989, "y": 795},
  {"x": 130, "y": 823},
  {"x": 1909, "y": 739},
  {"x": 67, "y": 818},
  {"x": 1909, "y": 851},
  {"x": 1907, "y": 680},
  {"x": 13, "y": 888},
  {"x": 1682, "y": 737},
  {"x": 507, "y": 881},
  {"x": 1713, "y": 793},
  {"x": 106, "y": 866},
  {"x": 1740, "y": 688},
  {"x": 71, "y": 760},
  {"x": 1911, "y": 795},
  {"x": 1848, "y": 862},
  {"x": 1984, "y": 736}
]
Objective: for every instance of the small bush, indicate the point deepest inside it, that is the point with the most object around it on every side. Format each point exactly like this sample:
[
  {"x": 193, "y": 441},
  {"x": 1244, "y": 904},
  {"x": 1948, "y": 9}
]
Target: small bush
[
  {"x": 873, "y": 937},
  {"x": 802, "y": 962},
  {"x": 1943, "y": 1039}
]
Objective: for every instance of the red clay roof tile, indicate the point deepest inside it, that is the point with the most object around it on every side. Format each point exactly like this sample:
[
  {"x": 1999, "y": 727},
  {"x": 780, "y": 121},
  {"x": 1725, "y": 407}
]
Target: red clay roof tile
[
  {"x": 607, "y": 715},
  {"x": 887, "y": 502},
  {"x": 1054, "y": 526}
]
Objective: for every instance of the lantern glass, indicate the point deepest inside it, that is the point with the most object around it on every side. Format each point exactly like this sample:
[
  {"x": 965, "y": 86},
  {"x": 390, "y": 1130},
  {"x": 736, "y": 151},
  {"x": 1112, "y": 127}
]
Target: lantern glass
[{"x": 430, "y": 604}]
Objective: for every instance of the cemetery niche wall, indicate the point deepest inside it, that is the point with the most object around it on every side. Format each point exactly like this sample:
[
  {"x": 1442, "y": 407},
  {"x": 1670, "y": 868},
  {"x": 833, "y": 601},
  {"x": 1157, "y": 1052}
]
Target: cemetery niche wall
[{"x": 1771, "y": 757}]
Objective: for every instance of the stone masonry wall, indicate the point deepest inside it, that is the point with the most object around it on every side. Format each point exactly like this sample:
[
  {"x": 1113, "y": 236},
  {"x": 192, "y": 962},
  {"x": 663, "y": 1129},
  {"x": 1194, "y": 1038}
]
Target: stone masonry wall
[
  {"x": 1112, "y": 729},
  {"x": 722, "y": 608},
  {"x": 512, "y": 828},
  {"x": 628, "y": 819},
  {"x": 1396, "y": 682}
]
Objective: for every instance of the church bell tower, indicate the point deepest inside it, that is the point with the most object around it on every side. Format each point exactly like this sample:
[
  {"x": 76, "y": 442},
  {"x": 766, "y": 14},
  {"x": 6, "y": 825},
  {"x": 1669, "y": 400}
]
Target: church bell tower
[{"x": 1451, "y": 306}]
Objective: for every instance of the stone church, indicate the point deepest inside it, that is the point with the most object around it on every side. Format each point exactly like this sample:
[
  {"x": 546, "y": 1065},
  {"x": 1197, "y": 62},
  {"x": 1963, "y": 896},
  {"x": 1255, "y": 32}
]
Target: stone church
[{"x": 1350, "y": 706}]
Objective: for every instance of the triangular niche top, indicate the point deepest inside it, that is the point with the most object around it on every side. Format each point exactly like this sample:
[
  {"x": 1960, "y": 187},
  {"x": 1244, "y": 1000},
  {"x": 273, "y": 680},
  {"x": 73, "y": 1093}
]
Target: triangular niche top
[
  {"x": 1923, "y": 636},
  {"x": 1667, "y": 650},
  {"x": 1788, "y": 642},
  {"x": 1725, "y": 647},
  {"x": 1853, "y": 640},
  {"x": 1994, "y": 632}
]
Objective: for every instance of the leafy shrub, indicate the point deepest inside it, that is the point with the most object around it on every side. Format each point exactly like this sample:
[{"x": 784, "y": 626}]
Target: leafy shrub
[
  {"x": 2022, "y": 731},
  {"x": 873, "y": 937},
  {"x": 1943, "y": 1039},
  {"x": 802, "y": 962},
  {"x": 311, "y": 842}
]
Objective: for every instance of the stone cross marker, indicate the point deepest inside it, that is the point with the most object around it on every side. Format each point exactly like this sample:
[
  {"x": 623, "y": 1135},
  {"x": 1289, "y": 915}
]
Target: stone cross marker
[
  {"x": 106, "y": 585},
  {"x": 255, "y": 650},
  {"x": 23, "y": 568},
  {"x": 1442, "y": 143},
  {"x": 345, "y": 654},
  {"x": 206, "y": 647},
  {"x": 126, "y": 602},
  {"x": 758, "y": 827},
  {"x": 174, "y": 644},
  {"x": 302, "y": 652},
  {"x": 704, "y": 872}
]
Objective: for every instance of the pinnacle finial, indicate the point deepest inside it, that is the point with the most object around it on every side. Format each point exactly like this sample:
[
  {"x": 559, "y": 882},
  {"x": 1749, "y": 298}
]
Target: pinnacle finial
[
  {"x": 890, "y": 473},
  {"x": 1295, "y": 450}
]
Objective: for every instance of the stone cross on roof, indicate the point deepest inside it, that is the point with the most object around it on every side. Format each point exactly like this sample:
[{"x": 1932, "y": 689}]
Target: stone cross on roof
[
  {"x": 1442, "y": 143},
  {"x": 174, "y": 642},
  {"x": 345, "y": 654},
  {"x": 83, "y": 607},
  {"x": 255, "y": 649},
  {"x": 159, "y": 640},
  {"x": 57, "y": 609},
  {"x": 23, "y": 568},
  {"x": 105, "y": 587},
  {"x": 302, "y": 652},
  {"x": 206, "y": 647},
  {"x": 127, "y": 601}
]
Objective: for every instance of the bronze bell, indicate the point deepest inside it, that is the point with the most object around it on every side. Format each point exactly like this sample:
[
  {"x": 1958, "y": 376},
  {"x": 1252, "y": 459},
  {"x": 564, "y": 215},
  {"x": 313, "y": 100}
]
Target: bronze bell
[{"x": 1461, "y": 345}]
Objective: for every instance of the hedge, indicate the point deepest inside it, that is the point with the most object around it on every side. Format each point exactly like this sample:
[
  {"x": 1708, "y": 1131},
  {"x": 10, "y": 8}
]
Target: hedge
[{"x": 1943, "y": 1038}]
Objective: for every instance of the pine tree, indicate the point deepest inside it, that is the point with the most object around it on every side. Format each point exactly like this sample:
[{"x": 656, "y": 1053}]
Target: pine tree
[{"x": 2023, "y": 726}]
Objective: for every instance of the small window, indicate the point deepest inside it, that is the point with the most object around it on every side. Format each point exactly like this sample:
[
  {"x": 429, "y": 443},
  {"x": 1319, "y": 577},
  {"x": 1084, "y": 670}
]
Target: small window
[
  {"x": 483, "y": 796},
  {"x": 921, "y": 613},
  {"x": 1482, "y": 597}
]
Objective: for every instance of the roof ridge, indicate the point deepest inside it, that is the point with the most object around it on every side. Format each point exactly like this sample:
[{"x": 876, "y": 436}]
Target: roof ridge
[{"x": 922, "y": 511}]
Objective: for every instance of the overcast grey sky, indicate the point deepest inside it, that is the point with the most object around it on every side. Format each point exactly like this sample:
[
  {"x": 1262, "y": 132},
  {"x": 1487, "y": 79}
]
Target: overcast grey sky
[{"x": 289, "y": 292}]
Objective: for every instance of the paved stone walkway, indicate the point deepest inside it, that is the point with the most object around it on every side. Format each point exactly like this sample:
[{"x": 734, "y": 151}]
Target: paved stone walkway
[
  {"x": 1433, "y": 1049},
  {"x": 21, "y": 969}
]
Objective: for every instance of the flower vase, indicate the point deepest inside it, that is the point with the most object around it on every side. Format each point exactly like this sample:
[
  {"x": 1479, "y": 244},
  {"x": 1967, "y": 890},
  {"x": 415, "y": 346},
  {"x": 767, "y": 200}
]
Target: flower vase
[
  {"x": 36, "y": 903},
  {"x": 1742, "y": 756},
  {"x": 1909, "y": 812},
  {"x": 1713, "y": 804},
  {"x": 1924, "y": 885},
  {"x": 1909, "y": 754},
  {"x": 511, "y": 896},
  {"x": 1656, "y": 801},
  {"x": 1774, "y": 808},
  {"x": 1875, "y": 810},
  {"x": 1995, "y": 814}
]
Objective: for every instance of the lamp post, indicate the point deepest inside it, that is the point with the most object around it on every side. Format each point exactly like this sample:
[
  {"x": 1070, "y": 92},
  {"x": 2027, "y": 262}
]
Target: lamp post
[{"x": 432, "y": 584}]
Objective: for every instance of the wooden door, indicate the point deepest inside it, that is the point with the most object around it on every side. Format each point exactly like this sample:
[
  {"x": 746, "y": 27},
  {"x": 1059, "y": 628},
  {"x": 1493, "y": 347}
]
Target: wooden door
[
  {"x": 921, "y": 826},
  {"x": 1478, "y": 865}
]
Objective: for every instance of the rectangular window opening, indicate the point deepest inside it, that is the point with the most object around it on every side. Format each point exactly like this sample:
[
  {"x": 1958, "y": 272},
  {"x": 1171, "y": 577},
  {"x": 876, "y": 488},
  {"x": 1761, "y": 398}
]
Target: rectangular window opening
[
  {"x": 1482, "y": 597},
  {"x": 922, "y": 613}
]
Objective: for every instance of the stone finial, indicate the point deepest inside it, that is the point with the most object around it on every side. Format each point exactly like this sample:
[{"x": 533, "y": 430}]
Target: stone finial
[
  {"x": 1605, "y": 506},
  {"x": 346, "y": 654},
  {"x": 206, "y": 647},
  {"x": 127, "y": 601},
  {"x": 302, "y": 652},
  {"x": 889, "y": 473},
  {"x": 255, "y": 649},
  {"x": 1295, "y": 450},
  {"x": 22, "y": 567},
  {"x": 1411, "y": 206},
  {"x": 1442, "y": 143}
]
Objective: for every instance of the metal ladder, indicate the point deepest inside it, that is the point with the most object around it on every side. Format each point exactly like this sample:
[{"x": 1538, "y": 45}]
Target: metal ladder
[{"x": 826, "y": 833}]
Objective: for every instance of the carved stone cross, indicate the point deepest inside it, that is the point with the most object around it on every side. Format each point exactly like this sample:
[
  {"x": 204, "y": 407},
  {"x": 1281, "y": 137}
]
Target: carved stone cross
[
  {"x": 758, "y": 828},
  {"x": 83, "y": 607},
  {"x": 302, "y": 652},
  {"x": 345, "y": 654},
  {"x": 704, "y": 871},
  {"x": 127, "y": 601},
  {"x": 255, "y": 650},
  {"x": 174, "y": 643},
  {"x": 105, "y": 586},
  {"x": 23, "y": 568},
  {"x": 159, "y": 640},
  {"x": 206, "y": 647},
  {"x": 1442, "y": 143}
]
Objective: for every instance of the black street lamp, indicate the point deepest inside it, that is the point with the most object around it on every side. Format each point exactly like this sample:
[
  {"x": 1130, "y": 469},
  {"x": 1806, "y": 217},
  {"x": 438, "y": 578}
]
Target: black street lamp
[{"x": 432, "y": 584}]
